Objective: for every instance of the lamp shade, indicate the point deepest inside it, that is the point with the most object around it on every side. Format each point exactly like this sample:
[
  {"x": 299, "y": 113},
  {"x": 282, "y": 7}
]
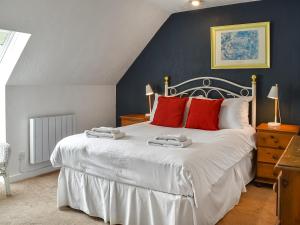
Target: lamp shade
[
  {"x": 149, "y": 90},
  {"x": 273, "y": 92}
]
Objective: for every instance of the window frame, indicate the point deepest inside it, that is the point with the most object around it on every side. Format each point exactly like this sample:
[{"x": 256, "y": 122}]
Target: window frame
[{"x": 7, "y": 42}]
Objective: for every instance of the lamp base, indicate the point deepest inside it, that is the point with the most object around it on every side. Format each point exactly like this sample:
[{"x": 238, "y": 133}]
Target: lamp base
[{"x": 274, "y": 124}]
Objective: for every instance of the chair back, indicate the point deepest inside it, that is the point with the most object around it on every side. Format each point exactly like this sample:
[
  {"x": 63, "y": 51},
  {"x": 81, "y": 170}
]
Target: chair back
[{"x": 4, "y": 154}]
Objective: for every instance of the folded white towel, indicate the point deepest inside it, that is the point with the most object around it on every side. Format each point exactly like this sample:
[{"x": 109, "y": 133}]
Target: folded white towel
[
  {"x": 172, "y": 137},
  {"x": 109, "y": 130},
  {"x": 164, "y": 143},
  {"x": 94, "y": 134}
]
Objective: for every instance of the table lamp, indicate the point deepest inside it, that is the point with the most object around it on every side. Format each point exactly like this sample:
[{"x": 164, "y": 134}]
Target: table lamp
[
  {"x": 273, "y": 94},
  {"x": 149, "y": 92}
]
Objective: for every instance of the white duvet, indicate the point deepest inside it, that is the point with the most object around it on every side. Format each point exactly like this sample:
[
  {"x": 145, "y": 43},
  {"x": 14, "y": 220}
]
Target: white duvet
[{"x": 188, "y": 171}]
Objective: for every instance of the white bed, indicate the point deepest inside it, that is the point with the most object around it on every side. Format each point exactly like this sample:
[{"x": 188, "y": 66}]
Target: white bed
[{"x": 128, "y": 182}]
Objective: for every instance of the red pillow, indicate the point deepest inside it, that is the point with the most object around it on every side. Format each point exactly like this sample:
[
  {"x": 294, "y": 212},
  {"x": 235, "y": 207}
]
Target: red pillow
[
  {"x": 204, "y": 114},
  {"x": 169, "y": 111}
]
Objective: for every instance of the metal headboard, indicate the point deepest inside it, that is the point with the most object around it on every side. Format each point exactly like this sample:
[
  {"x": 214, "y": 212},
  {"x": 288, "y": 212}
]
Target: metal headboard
[{"x": 207, "y": 87}]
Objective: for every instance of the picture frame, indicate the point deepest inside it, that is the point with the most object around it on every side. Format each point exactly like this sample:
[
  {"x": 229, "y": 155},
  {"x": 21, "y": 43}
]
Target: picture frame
[{"x": 241, "y": 46}]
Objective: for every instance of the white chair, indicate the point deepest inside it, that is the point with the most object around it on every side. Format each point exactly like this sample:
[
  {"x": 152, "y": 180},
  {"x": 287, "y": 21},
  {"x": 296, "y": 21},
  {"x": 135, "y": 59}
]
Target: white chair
[{"x": 4, "y": 155}]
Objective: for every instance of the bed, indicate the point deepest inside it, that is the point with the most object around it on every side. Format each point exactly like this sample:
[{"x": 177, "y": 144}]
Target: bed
[{"x": 128, "y": 182}]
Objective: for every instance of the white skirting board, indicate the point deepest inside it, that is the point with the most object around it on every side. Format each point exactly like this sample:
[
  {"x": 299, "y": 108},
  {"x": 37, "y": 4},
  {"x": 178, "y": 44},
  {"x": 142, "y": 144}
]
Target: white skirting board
[{"x": 34, "y": 173}]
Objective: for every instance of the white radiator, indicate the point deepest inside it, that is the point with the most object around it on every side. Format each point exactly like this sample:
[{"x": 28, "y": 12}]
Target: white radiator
[{"x": 45, "y": 132}]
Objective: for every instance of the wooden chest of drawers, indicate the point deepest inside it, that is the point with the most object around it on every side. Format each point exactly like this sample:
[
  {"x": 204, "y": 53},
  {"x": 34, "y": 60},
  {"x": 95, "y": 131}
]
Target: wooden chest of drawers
[
  {"x": 271, "y": 143},
  {"x": 288, "y": 186},
  {"x": 133, "y": 119}
]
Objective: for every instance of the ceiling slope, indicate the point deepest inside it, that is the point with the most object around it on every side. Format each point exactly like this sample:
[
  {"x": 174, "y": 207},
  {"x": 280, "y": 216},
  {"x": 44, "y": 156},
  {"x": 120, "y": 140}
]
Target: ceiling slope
[
  {"x": 90, "y": 42},
  {"x": 184, "y": 5}
]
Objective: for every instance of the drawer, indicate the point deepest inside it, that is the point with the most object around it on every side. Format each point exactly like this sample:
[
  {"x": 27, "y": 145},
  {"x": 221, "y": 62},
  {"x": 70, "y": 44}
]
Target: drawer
[
  {"x": 266, "y": 170},
  {"x": 273, "y": 140},
  {"x": 268, "y": 155}
]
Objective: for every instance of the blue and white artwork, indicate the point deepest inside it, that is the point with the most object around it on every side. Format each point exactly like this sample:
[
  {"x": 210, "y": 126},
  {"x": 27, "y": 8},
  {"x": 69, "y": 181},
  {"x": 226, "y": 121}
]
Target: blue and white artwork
[{"x": 240, "y": 45}]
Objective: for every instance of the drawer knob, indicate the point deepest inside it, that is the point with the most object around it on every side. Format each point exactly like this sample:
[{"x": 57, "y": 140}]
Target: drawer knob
[
  {"x": 284, "y": 183},
  {"x": 275, "y": 157}
]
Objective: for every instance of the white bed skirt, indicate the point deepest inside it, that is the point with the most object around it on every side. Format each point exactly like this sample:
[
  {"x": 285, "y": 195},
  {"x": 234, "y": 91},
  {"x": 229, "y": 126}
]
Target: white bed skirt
[{"x": 118, "y": 203}]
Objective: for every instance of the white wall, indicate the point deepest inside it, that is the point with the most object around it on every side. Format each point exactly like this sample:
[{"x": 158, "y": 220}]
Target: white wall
[{"x": 92, "y": 106}]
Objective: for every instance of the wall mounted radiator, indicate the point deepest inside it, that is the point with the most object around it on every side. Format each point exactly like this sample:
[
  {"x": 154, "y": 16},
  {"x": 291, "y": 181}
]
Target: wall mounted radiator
[{"x": 45, "y": 132}]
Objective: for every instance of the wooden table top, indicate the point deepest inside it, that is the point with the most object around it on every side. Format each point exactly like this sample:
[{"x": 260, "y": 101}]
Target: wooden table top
[
  {"x": 290, "y": 159},
  {"x": 286, "y": 128}
]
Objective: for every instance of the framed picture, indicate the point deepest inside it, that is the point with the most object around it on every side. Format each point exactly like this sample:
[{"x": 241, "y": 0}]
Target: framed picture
[{"x": 240, "y": 46}]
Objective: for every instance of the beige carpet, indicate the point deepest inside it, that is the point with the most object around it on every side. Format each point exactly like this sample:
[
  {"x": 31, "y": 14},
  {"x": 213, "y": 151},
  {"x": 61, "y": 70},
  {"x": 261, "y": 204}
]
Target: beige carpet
[{"x": 34, "y": 203}]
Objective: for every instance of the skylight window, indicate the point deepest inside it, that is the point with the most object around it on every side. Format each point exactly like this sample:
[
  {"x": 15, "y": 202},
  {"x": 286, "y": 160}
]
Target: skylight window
[
  {"x": 5, "y": 39},
  {"x": 12, "y": 44}
]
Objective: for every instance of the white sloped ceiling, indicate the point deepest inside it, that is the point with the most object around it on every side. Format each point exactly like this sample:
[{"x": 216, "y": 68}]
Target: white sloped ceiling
[
  {"x": 184, "y": 5},
  {"x": 87, "y": 42}
]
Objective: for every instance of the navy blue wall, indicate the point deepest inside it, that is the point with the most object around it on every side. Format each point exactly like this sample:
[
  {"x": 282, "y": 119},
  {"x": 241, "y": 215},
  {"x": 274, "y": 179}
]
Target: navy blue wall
[{"x": 181, "y": 49}]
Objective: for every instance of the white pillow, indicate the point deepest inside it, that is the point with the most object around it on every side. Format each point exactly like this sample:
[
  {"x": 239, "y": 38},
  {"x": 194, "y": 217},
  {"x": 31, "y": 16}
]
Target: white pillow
[
  {"x": 234, "y": 113},
  {"x": 154, "y": 107}
]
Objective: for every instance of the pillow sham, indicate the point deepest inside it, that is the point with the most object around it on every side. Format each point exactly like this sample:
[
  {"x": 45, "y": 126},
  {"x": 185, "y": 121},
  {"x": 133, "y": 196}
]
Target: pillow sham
[
  {"x": 234, "y": 113},
  {"x": 204, "y": 114},
  {"x": 169, "y": 111}
]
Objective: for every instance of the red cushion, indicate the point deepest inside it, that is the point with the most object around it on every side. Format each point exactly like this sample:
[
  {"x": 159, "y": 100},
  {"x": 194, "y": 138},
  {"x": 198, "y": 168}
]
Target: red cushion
[
  {"x": 169, "y": 111},
  {"x": 204, "y": 114}
]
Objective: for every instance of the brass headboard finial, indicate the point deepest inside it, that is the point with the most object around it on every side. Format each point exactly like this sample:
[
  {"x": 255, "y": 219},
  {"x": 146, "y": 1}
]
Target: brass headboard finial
[
  {"x": 253, "y": 78},
  {"x": 166, "y": 79}
]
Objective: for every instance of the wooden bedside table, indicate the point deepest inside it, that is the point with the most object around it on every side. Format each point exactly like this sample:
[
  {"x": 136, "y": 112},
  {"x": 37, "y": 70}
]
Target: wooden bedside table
[
  {"x": 133, "y": 119},
  {"x": 271, "y": 143}
]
